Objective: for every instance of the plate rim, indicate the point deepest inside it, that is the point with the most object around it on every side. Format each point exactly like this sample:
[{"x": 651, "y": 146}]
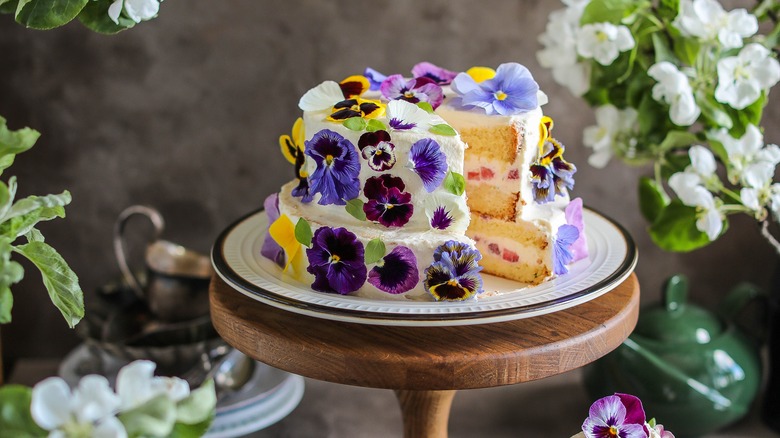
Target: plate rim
[{"x": 242, "y": 285}]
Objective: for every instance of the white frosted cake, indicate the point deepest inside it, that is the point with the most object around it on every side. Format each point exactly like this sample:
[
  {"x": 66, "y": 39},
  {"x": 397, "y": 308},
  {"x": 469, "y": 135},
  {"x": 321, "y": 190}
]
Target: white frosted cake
[{"x": 389, "y": 202}]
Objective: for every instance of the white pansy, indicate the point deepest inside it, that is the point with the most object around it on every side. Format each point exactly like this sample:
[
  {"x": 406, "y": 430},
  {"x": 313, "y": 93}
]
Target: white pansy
[
  {"x": 136, "y": 384},
  {"x": 136, "y": 10},
  {"x": 603, "y": 41},
  {"x": 560, "y": 48},
  {"x": 321, "y": 97},
  {"x": 742, "y": 78},
  {"x": 674, "y": 89},
  {"x": 708, "y": 21},
  {"x": 450, "y": 206},
  {"x": 614, "y": 130},
  {"x": 403, "y": 115}
]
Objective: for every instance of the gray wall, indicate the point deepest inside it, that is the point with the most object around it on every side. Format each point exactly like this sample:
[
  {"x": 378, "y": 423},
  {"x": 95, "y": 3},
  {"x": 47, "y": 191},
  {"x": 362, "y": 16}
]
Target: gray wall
[{"x": 184, "y": 113}]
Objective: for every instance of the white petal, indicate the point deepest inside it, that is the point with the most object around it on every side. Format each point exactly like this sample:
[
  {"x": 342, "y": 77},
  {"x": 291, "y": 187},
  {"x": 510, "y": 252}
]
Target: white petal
[
  {"x": 684, "y": 111},
  {"x": 94, "y": 399},
  {"x": 109, "y": 427},
  {"x": 50, "y": 405},
  {"x": 542, "y": 98},
  {"x": 175, "y": 388},
  {"x": 321, "y": 97},
  {"x": 752, "y": 141},
  {"x": 134, "y": 383},
  {"x": 702, "y": 160},
  {"x": 454, "y": 205},
  {"x": 710, "y": 223},
  {"x": 770, "y": 154},
  {"x": 600, "y": 159},
  {"x": 142, "y": 10},
  {"x": 758, "y": 175},
  {"x": 749, "y": 198},
  {"x": 624, "y": 41},
  {"x": 114, "y": 10},
  {"x": 409, "y": 113},
  {"x": 575, "y": 77}
]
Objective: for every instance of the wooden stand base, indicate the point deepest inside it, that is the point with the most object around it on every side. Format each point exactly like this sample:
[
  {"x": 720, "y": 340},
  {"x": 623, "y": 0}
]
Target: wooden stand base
[{"x": 425, "y": 365}]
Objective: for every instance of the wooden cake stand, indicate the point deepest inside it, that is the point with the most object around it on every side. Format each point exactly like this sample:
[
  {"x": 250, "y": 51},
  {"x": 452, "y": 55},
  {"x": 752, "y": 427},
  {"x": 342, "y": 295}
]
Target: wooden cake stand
[{"x": 426, "y": 365}]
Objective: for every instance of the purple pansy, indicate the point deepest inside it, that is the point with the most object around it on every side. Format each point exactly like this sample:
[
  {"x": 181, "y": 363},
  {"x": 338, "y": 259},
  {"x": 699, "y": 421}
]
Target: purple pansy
[
  {"x": 454, "y": 274},
  {"x": 562, "y": 255},
  {"x": 271, "y": 250},
  {"x": 551, "y": 175},
  {"x": 377, "y": 149},
  {"x": 511, "y": 91},
  {"x": 375, "y": 78},
  {"x": 441, "y": 218},
  {"x": 437, "y": 74},
  {"x": 338, "y": 166},
  {"x": 387, "y": 203},
  {"x": 428, "y": 161},
  {"x": 396, "y": 273},
  {"x": 337, "y": 261},
  {"x": 413, "y": 90},
  {"x": 619, "y": 415},
  {"x": 573, "y": 212}
]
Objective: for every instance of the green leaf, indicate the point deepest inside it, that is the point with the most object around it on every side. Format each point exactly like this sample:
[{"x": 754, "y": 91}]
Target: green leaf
[
  {"x": 613, "y": 11},
  {"x": 181, "y": 430},
  {"x": 33, "y": 235},
  {"x": 425, "y": 106},
  {"x": 7, "y": 194},
  {"x": 15, "y": 417},
  {"x": 32, "y": 203},
  {"x": 375, "y": 250},
  {"x": 443, "y": 129},
  {"x": 454, "y": 183},
  {"x": 355, "y": 208},
  {"x": 661, "y": 48},
  {"x": 687, "y": 50},
  {"x": 675, "y": 162},
  {"x": 60, "y": 281},
  {"x": 652, "y": 198},
  {"x": 48, "y": 14},
  {"x": 8, "y": 6},
  {"x": 678, "y": 139},
  {"x": 375, "y": 125},
  {"x": 750, "y": 115},
  {"x": 713, "y": 112},
  {"x": 199, "y": 406},
  {"x": 355, "y": 124},
  {"x": 95, "y": 17},
  {"x": 669, "y": 9},
  {"x": 6, "y": 304},
  {"x": 14, "y": 142},
  {"x": 153, "y": 418},
  {"x": 675, "y": 229},
  {"x": 303, "y": 232}
]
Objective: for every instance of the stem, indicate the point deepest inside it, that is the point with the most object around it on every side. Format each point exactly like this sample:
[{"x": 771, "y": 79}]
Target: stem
[{"x": 769, "y": 237}]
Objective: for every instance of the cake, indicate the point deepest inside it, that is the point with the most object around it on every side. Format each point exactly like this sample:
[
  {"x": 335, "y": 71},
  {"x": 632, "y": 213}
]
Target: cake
[{"x": 410, "y": 188}]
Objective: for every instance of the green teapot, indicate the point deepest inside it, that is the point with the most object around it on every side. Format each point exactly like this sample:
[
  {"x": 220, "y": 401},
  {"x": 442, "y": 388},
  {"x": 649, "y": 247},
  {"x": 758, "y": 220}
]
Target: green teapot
[{"x": 695, "y": 372}]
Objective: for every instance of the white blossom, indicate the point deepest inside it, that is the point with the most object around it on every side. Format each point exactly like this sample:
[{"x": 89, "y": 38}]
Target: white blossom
[
  {"x": 749, "y": 197},
  {"x": 742, "y": 78},
  {"x": 136, "y": 384},
  {"x": 702, "y": 161},
  {"x": 136, "y": 10},
  {"x": 674, "y": 89},
  {"x": 689, "y": 186},
  {"x": 614, "y": 130},
  {"x": 603, "y": 41},
  {"x": 560, "y": 48},
  {"x": 774, "y": 200},
  {"x": 708, "y": 21},
  {"x": 749, "y": 161}
]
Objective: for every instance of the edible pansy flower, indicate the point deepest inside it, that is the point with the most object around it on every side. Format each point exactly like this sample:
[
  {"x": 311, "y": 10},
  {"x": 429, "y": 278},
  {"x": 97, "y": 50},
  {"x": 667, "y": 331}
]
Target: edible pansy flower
[
  {"x": 356, "y": 107},
  {"x": 481, "y": 74},
  {"x": 428, "y": 161},
  {"x": 619, "y": 415},
  {"x": 338, "y": 166},
  {"x": 414, "y": 90},
  {"x": 354, "y": 86},
  {"x": 293, "y": 151},
  {"x": 454, "y": 273},
  {"x": 551, "y": 175},
  {"x": 282, "y": 231},
  {"x": 511, "y": 91},
  {"x": 377, "y": 149},
  {"x": 439, "y": 75},
  {"x": 374, "y": 77},
  {"x": 321, "y": 97},
  {"x": 573, "y": 214},
  {"x": 271, "y": 250},
  {"x": 562, "y": 254},
  {"x": 445, "y": 210},
  {"x": 396, "y": 273},
  {"x": 387, "y": 203},
  {"x": 337, "y": 261},
  {"x": 403, "y": 116}
]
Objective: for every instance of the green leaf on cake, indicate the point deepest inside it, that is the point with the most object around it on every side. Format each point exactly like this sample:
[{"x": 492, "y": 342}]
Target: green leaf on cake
[
  {"x": 652, "y": 199},
  {"x": 303, "y": 232},
  {"x": 454, "y": 183},
  {"x": 425, "y": 106},
  {"x": 355, "y": 208},
  {"x": 355, "y": 123},
  {"x": 375, "y": 125},
  {"x": 375, "y": 250},
  {"x": 443, "y": 129}
]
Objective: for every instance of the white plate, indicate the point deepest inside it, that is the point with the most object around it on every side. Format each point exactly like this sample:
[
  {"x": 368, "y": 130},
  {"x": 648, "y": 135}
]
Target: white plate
[{"x": 612, "y": 258}]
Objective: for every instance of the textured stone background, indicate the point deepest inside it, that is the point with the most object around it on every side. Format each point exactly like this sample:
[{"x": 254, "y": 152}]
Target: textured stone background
[{"x": 183, "y": 113}]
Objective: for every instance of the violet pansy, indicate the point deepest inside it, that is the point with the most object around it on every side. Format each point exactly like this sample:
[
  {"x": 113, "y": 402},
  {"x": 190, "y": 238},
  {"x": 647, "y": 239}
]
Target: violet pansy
[
  {"x": 619, "y": 415},
  {"x": 428, "y": 161},
  {"x": 377, "y": 148},
  {"x": 338, "y": 167},
  {"x": 272, "y": 250},
  {"x": 511, "y": 91},
  {"x": 454, "y": 273},
  {"x": 337, "y": 261},
  {"x": 388, "y": 203},
  {"x": 562, "y": 255},
  {"x": 396, "y": 273},
  {"x": 412, "y": 90},
  {"x": 439, "y": 75},
  {"x": 550, "y": 174},
  {"x": 374, "y": 77}
]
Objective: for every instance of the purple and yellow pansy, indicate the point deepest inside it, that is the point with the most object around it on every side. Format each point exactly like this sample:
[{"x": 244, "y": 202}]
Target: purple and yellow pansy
[
  {"x": 551, "y": 174},
  {"x": 378, "y": 150},
  {"x": 413, "y": 90},
  {"x": 338, "y": 166},
  {"x": 388, "y": 203},
  {"x": 336, "y": 259},
  {"x": 512, "y": 90},
  {"x": 396, "y": 272},
  {"x": 454, "y": 273},
  {"x": 292, "y": 148}
]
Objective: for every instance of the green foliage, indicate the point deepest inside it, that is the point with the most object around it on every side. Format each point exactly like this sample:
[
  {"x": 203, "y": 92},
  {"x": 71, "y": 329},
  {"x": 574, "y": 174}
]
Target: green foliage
[
  {"x": 613, "y": 11},
  {"x": 155, "y": 418},
  {"x": 94, "y": 15},
  {"x": 674, "y": 229},
  {"x": 443, "y": 129},
  {"x": 355, "y": 208},
  {"x": 652, "y": 199},
  {"x": 454, "y": 183},
  {"x": 198, "y": 407},
  {"x": 50, "y": 14},
  {"x": 355, "y": 124},
  {"x": 375, "y": 250},
  {"x": 15, "y": 418},
  {"x": 303, "y": 233}
]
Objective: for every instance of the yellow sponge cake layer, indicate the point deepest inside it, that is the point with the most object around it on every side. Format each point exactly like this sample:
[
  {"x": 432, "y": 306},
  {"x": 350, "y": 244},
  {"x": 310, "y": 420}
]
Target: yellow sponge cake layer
[
  {"x": 498, "y": 143},
  {"x": 490, "y": 200}
]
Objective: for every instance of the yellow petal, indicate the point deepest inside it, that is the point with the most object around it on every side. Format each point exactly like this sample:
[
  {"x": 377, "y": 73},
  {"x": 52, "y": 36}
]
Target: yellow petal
[
  {"x": 545, "y": 126},
  {"x": 298, "y": 266},
  {"x": 283, "y": 233},
  {"x": 481, "y": 74},
  {"x": 298, "y": 133},
  {"x": 379, "y": 112},
  {"x": 354, "y": 86},
  {"x": 288, "y": 148}
]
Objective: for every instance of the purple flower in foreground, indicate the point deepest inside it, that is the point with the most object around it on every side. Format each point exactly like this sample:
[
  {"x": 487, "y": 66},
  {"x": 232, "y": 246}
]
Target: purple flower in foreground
[
  {"x": 387, "y": 203},
  {"x": 396, "y": 273},
  {"x": 619, "y": 415},
  {"x": 551, "y": 175},
  {"x": 375, "y": 78},
  {"x": 511, "y": 91},
  {"x": 338, "y": 166},
  {"x": 441, "y": 218},
  {"x": 377, "y": 149},
  {"x": 337, "y": 261},
  {"x": 454, "y": 274},
  {"x": 439, "y": 75},
  {"x": 271, "y": 250},
  {"x": 573, "y": 212},
  {"x": 562, "y": 255},
  {"x": 429, "y": 162},
  {"x": 413, "y": 90}
]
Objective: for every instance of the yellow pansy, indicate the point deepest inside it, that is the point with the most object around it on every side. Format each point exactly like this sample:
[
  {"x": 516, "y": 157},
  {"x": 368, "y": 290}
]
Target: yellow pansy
[
  {"x": 293, "y": 146},
  {"x": 354, "y": 86},
  {"x": 545, "y": 128},
  {"x": 481, "y": 74},
  {"x": 283, "y": 233}
]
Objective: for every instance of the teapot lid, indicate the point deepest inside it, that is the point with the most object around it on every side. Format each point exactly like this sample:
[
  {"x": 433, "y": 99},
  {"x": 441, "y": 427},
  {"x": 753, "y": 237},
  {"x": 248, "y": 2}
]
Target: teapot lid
[{"x": 676, "y": 320}]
